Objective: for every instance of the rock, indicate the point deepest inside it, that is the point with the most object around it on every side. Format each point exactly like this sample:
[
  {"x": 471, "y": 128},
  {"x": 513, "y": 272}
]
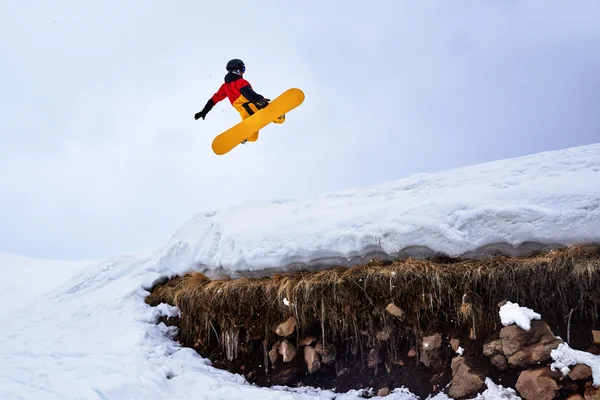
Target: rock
[
  {"x": 287, "y": 350},
  {"x": 596, "y": 336},
  {"x": 493, "y": 347},
  {"x": 513, "y": 338},
  {"x": 430, "y": 350},
  {"x": 432, "y": 342},
  {"x": 307, "y": 340},
  {"x": 472, "y": 333},
  {"x": 383, "y": 335},
  {"x": 454, "y": 344},
  {"x": 591, "y": 392},
  {"x": 537, "y": 384},
  {"x": 312, "y": 359},
  {"x": 372, "y": 359},
  {"x": 412, "y": 352},
  {"x": 327, "y": 353},
  {"x": 465, "y": 381},
  {"x": 274, "y": 353},
  {"x": 575, "y": 396},
  {"x": 580, "y": 372},
  {"x": 531, "y": 347},
  {"x": 384, "y": 391},
  {"x": 395, "y": 311},
  {"x": 286, "y": 328},
  {"x": 499, "y": 361},
  {"x": 534, "y": 355}
]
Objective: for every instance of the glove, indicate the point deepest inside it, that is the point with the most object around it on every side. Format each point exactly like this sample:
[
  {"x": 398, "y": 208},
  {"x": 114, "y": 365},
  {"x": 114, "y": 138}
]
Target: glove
[
  {"x": 263, "y": 103},
  {"x": 202, "y": 114}
]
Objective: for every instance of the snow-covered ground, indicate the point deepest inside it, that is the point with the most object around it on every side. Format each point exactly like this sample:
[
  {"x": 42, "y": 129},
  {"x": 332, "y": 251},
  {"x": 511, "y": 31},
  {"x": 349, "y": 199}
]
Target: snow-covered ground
[
  {"x": 23, "y": 278},
  {"x": 93, "y": 337},
  {"x": 552, "y": 197}
]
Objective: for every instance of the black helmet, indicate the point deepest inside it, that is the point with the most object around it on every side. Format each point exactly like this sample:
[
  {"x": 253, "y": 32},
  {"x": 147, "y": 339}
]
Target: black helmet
[{"x": 235, "y": 64}]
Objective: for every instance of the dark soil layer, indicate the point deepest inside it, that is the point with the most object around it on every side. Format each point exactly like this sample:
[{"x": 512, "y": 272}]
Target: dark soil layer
[{"x": 233, "y": 322}]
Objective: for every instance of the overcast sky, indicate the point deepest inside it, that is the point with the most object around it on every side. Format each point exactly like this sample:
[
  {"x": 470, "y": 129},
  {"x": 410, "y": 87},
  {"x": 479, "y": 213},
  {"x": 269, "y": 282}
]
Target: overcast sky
[{"x": 100, "y": 153}]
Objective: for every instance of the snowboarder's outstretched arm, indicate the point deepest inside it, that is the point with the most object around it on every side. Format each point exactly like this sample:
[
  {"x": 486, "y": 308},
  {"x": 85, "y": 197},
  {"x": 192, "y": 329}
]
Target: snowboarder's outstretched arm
[{"x": 217, "y": 97}]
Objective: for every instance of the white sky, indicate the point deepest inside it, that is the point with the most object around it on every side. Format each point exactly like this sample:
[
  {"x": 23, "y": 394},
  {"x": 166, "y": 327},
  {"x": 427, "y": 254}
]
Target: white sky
[{"x": 100, "y": 154}]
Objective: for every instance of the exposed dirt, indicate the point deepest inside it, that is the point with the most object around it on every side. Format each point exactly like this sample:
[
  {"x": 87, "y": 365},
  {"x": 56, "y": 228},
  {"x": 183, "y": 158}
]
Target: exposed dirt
[{"x": 233, "y": 323}]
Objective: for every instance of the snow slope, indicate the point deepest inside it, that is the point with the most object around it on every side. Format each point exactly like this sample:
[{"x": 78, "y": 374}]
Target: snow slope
[
  {"x": 552, "y": 197},
  {"x": 23, "y": 278},
  {"x": 94, "y": 337}
]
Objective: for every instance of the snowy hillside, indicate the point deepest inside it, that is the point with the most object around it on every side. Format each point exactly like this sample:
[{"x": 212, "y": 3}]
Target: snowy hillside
[
  {"x": 95, "y": 338},
  {"x": 24, "y": 278},
  {"x": 552, "y": 197}
]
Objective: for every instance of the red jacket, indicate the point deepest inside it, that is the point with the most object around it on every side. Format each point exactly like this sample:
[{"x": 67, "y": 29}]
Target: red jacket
[{"x": 237, "y": 90}]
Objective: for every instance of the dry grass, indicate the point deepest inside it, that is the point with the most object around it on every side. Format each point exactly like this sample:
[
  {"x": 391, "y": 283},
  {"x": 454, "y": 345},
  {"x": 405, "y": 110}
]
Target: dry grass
[{"x": 349, "y": 303}]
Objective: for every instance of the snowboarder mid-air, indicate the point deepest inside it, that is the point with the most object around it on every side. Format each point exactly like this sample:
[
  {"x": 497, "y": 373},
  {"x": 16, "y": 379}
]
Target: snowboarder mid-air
[{"x": 240, "y": 94}]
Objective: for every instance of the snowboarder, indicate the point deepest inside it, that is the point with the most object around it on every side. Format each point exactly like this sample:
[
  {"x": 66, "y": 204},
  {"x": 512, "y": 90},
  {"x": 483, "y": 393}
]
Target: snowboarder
[{"x": 240, "y": 94}]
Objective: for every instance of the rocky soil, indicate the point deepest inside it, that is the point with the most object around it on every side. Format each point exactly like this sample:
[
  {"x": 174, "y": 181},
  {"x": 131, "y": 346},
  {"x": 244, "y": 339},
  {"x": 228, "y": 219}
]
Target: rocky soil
[
  {"x": 428, "y": 326},
  {"x": 511, "y": 357}
]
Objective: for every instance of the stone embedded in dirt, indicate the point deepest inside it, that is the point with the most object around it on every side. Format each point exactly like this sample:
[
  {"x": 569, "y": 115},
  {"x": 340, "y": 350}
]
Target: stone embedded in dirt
[
  {"x": 384, "y": 391},
  {"x": 395, "y": 311},
  {"x": 580, "y": 372},
  {"x": 383, "y": 335},
  {"x": 287, "y": 350},
  {"x": 575, "y": 396},
  {"x": 465, "y": 381},
  {"x": 388, "y": 366},
  {"x": 454, "y": 344},
  {"x": 523, "y": 347},
  {"x": 372, "y": 359},
  {"x": 430, "y": 349},
  {"x": 327, "y": 353},
  {"x": 432, "y": 342},
  {"x": 591, "y": 392},
  {"x": 286, "y": 328},
  {"x": 538, "y": 384},
  {"x": 596, "y": 336},
  {"x": 412, "y": 352},
  {"x": 307, "y": 340},
  {"x": 499, "y": 361},
  {"x": 472, "y": 333},
  {"x": 312, "y": 359},
  {"x": 492, "y": 347},
  {"x": 514, "y": 338},
  {"x": 274, "y": 353}
]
